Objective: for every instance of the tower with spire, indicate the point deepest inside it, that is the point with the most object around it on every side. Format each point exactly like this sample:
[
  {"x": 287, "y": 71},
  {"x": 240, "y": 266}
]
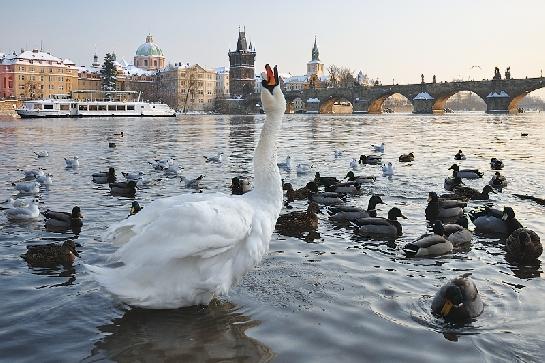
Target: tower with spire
[
  {"x": 241, "y": 71},
  {"x": 315, "y": 68}
]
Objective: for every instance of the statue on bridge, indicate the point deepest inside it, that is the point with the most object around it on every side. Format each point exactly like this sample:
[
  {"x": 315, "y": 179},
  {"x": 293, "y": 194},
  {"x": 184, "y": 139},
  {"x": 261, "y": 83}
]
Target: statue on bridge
[
  {"x": 434, "y": 79},
  {"x": 497, "y": 74},
  {"x": 422, "y": 76},
  {"x": 508, "y": 73}
]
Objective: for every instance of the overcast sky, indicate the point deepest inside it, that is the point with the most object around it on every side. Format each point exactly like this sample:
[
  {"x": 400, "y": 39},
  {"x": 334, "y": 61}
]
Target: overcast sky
[{"x": 387, "y": 39}]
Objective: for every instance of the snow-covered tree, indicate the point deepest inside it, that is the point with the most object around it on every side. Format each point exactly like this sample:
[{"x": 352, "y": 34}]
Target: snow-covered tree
[{"x": 108, "y": 73}]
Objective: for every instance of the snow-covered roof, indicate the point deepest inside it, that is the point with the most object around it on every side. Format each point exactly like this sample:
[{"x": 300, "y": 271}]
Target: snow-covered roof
[
  {"x": 221, "y": 70},
  {"x": 85, "y": 69},
  {"x": 296, "y": 79},
  {"x": 313, "y": 100},
  {"x": 496, "y": 94},
  {"x": 423, "y": 96},
  {"x": 68, "y": 62},
  {"x": 2, "y": 55},
  {"x": 135, "y": 71},
  {"x": 314, "y": 62}
]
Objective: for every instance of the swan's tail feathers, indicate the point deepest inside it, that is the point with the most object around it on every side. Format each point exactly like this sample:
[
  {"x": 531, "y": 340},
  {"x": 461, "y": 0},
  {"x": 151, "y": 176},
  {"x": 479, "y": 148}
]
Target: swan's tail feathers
[{"x": 119, "y": 235}]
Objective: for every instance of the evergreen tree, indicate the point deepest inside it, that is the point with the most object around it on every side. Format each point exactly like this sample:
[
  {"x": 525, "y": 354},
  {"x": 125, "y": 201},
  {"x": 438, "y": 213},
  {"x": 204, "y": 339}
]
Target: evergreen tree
[{"x": 108, "y": 73}]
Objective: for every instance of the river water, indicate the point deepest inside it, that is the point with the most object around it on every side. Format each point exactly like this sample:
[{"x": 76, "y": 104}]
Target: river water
[{"x": 339, "y": 299}]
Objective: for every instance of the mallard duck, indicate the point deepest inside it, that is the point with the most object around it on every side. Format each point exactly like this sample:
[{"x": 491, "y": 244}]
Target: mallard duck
[
  {"x": 459, "y": 155},
  {"x": 63, "y": 221},
  {"x": 72, "y": 163},
  {"x": 105, "y": 177},
  {"x": 22, "y": 212},
  {"x": 328, "y": 198},
  {"x": 240, "y": 185},
  {"x": 359, "y": 178},
  {"x": 135, "y": 208},
  {"x": 301, "y": 193},
  {"x": 443, "y": 209},
  {"x": 347, "y": 188},
  {"x": 458, "y": 300},
  {"x": 370, "y": 159},
  {"x": 452, "y": 182},
  {"x": 406, "y": 158},
  {"x": 347, "y": 213},
  {"x": 51, "y": 254},
  {"x": 430, "y": 244},
  {"x": 192, "y": 183},
  {"x": 298, "y": 222},
  {"x": 126, "y": 189},
  {"x": 325, "y": 180},
  {"x": 540, "y": 201},
  {"x": 457, "y": 233},
  {"x": 496, "y": 164},
  {"x": 493, "y": 221},
  {"x": 214, "y": 159},
  {"x": 286, "y": 165},
  {"x": 498, "y": 181},
  {"x": 465, "y": 173},
  {"x": 523, "y": 245},
  {"x": 473, "y": 194},
  {"x": 378, "y": 148},
  {"x": 380, "y": 227},
  {"x": 32, "y": 187},
  {"x": 388, "y": 169}
]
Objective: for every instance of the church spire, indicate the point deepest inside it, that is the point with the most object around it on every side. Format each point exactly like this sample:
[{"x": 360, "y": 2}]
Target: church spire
[{"x": 315, "y": 52}]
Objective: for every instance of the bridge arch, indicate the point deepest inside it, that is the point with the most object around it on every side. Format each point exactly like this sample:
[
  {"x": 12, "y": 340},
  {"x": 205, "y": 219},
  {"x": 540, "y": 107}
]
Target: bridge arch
[
  {"x": 440, "y": 103},
  {"x": 337, "y": 104},
  {"x": 514, "y": 104},
  {"x": 465, "y": 100},
  {"x": 376, "y": 105}
]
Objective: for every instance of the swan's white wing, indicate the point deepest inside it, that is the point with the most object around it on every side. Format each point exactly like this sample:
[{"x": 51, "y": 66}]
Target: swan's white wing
[{"x": 182, "y": 226}]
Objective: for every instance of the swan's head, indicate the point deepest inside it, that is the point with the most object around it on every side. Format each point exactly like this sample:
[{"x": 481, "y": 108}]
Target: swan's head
[{"x": 272, "y": 98}]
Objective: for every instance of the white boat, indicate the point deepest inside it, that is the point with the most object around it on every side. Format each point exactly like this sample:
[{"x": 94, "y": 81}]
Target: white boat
[{"x": 66, "y": 106}]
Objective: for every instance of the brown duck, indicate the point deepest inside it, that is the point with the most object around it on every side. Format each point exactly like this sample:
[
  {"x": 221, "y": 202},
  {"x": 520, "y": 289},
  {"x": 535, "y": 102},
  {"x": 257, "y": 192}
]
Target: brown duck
[
  {"x": 51, "y": 254},
  {"x": 296, "y": 223}
]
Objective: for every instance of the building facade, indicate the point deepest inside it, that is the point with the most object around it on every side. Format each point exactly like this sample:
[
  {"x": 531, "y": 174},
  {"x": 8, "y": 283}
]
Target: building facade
[
  {"x": 188, "y": 87},
  {"x": 149, "y": 56},
  {"x": 241, "y": 70},
  {"x": 36, "y": 74},
  {"x": 222, "y": 82}
]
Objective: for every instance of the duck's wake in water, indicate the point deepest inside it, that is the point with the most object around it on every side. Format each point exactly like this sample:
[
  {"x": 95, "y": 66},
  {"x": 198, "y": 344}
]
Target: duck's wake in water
[{"x": 184, "y": 250}]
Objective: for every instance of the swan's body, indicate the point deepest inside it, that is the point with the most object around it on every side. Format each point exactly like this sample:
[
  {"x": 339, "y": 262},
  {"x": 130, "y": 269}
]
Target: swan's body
[
  {"x": 184, "y": 250},
  {"x": 458, "y": 300},
  {"x": 72, "y": 163},
  {"x": 23, "y": 213}
]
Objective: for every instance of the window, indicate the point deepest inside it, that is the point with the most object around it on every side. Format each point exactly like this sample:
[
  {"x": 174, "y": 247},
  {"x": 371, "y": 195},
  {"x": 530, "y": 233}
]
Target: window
[
  {"x": 145, "y": 62},
  {"x": 111, "y": 107},
  {"x": 102, "y": 107},
  {"x": 120, "y": 107},
  {"x": 93, "y": 108},
  {"x": 48, "y": 107},
  {"x": 130, "y": 107},
  {"x": 83, "y": 107},
  {"x": 64, "y": 107}
]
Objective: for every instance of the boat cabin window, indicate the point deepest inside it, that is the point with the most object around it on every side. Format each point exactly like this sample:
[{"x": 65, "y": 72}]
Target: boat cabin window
[
  {"x": 111, "y": 107},
  {"x": 83, "y": 107},
  {"x": 120, "y": 107},
  {"x": 64, "y": 107},
  {"x": 48, "y": 107},
  {"x": 130, "y": 107},
  {"x": 102, "y": 107},
  {"x": 93, "y": 108}
]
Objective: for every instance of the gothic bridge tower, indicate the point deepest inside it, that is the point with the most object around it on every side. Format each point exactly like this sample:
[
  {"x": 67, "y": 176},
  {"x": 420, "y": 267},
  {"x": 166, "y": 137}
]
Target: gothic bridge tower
[{"x": 241, "y": 71}]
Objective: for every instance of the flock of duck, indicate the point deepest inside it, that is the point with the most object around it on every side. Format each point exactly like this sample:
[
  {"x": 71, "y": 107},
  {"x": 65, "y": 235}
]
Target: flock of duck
[
  {"x": 209, "y": 240},
  {"x": 446, "y": 214}
]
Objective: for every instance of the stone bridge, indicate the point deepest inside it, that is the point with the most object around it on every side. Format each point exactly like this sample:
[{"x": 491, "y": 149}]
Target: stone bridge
[{"x": 500, "y": 95}]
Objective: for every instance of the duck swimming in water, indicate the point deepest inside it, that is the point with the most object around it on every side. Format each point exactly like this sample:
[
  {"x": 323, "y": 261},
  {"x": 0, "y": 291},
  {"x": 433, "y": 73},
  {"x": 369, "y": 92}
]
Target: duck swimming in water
[
  {"x": 63, "y": 221},
  {"x": 135, "y": 208},
  {"x": 105, "y": 177},
  {"x": 240, "y": 185},
  {"x": 496, "y": 164},
  {"x": 124, "y": 189},
  {"x": 458, "y": 300},
  {"x": 51, "y": 255},
  {"x": 443, "y": 209},
  {"x": 465, "y": 173},
  {"x": 380, "y": 227},
  {"x": 360, "y": 179},
  {"x": 328, "y": 198},
  {"x": 370, "y": 159},
  {"x": 523, "y": 245},
  {"x": 498, "y": 181},
  {"x": 296, "y": 223},
  {"x": 430, "y": 244},
  {"x": 325, "y": 180},
  {"x": 203, "y": 243},
  {"x": 301, "y": 193},
  {"x": 459, "y": 155},
  {"x": 495, "y": 222},
  {"x": 473, "y": 194},
  {"x": 452, "y": 182},
  {"x": 350, "y": 214},
  {"x": 458, "y": 232},
  {"x": 406, "y": 158}
]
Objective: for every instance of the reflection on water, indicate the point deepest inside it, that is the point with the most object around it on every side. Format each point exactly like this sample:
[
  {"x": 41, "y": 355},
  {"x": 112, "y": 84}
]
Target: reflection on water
[
  {"x": 340, "y": 298},
  {"x": 216, "y": 333}
]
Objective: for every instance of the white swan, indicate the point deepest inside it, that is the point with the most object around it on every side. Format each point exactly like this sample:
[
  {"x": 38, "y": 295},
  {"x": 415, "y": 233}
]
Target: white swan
[{"x": 183, "y": 250}]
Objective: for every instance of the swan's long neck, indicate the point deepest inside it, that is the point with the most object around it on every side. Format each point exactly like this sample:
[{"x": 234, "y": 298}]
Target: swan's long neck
[{"x": 267, "y": 177}]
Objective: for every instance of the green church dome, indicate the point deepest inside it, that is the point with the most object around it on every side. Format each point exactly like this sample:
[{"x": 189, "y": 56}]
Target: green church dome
[{"x": 149, "y": 48}]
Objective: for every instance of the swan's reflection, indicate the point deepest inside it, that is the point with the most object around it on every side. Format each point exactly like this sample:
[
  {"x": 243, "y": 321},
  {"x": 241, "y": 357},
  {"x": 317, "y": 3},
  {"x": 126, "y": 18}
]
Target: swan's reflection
[{"x": 215, "y": 333}]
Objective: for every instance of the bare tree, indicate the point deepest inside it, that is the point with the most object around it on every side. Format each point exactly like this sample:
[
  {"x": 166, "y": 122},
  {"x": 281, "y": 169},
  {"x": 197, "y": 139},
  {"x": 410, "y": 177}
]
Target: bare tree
[{"x": 340, "y": 76}]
